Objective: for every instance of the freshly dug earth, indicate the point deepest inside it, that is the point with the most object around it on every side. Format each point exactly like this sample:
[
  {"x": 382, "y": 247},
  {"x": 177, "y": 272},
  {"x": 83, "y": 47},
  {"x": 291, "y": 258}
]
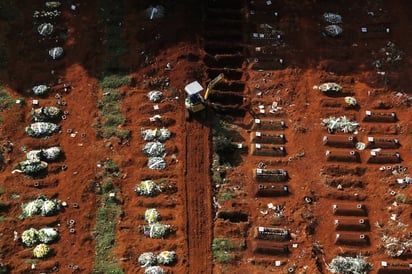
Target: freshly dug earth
[{"x": 178, "y": 39}]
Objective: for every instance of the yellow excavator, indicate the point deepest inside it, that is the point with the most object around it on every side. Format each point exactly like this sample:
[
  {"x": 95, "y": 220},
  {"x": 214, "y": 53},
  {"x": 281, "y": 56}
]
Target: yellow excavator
[{"x": 194, "y": 101}]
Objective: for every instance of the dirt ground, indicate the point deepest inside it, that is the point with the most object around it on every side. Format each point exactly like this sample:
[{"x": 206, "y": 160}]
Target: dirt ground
[{"x": 198, "y": 40}]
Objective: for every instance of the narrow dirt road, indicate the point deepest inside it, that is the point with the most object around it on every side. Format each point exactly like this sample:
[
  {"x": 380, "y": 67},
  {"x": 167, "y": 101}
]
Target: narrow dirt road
[{"x": 199, "y": 220}]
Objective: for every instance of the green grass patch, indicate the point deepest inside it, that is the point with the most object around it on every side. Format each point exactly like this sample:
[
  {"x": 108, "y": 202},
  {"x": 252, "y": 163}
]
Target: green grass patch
[
  {"x": 225, "y": 196},
  {"x": 5, "y": 101},
  {"x": 110, "y": 166},
  {"x": 401, "y": 198},
  {"x": 107, "y": 217},
  {"x": 15, "y": 196},
  {"x": 219, "y": 171},
  {"x": 228, "y": 244},
  {"x": 113, "y": 120},
  {"x": 111, "y": 97},
  {"x": 114, "y": 81},
  {"x": 222, "y": 140},
  {"x": 109, "y": 105},
  {"x": 223, "y": 249},
  {"x": 223, "y": 257},
  {"x": 109, "y": 132}
]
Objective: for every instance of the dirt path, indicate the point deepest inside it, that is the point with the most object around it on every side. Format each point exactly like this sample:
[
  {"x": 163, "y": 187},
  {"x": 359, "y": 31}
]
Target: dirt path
[{"x": 198, "y": 197}]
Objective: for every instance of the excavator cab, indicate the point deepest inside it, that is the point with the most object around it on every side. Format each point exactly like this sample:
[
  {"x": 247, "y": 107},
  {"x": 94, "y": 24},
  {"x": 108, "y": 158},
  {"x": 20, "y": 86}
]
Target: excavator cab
[{"x": 194, "y": 101}]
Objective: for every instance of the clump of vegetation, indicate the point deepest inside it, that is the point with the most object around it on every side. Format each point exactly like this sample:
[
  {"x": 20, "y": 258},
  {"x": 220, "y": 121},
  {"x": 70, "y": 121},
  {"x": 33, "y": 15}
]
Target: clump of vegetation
[
  {"x": 114, "y": 81},
  {"x": 108, "y": 215},
  {"x": 218, "y": 171},
  {"x": 225, "y": 195},
  {"x": 5, "y": 100},
  {"x": 222, "y": 246},
  {"x": 401, "y": 198},
  {"x": 113, "y": 119},
  {"x": 110, "y": 166}
]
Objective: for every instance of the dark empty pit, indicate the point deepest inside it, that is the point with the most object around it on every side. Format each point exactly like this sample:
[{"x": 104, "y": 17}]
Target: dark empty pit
[
  {"x": 151, "y": 109},
  {"x": 227, "y": 34},
  {"x": 335, "y": 170},
  {"x": 224, "y": 61},
  {"x": 352, "y": 224},
  {"x": 261, "y": 124},
  {"x": 162, "y": 122},
  {"x": 263, "y": 16},
  {"x": 214, "y": 48},
  {"x": 222, "y": 23},
  {"x": 268, "y": 150},
  {"x": 267, "y": 138},
  {"x": 230, "y": 86},
  {"x": 226, "y": 98},
  {"x": 230, "y": 74},
  {"x": 383, "y": 142},
  {"x": 270, "y": 190},
  {"x": 344, "y": 181},
  {"x": 375, "y": 31},
  {"x": 233, "y": 110},
  {"x": 262, "y": 51},
  {"x": 395, "y": 270},
  {"x": 342, "y": 141},
  {"x": 349, "y": 210},
  {"x": 233, "y": 216},
  {"x": 329, "y": 103},
  {"x": 342, "y": 156},
  {"x": 228, "y": 4},
  {"x": 382, "y": 117},
  {"x": 269, "y": 248},
  {"x": 384, "y": 158},
  {"x": 213, "y": 13},
  {"x": 352, "y": 239},
  {"x": 272, "y": 64}
]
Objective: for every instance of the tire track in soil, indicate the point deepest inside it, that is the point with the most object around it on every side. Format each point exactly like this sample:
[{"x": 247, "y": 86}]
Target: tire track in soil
[{"x": 198, "y": 197}]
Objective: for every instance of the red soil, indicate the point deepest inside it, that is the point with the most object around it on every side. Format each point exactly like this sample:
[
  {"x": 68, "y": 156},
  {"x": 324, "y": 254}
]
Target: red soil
[{"x": 310, "y": 59}]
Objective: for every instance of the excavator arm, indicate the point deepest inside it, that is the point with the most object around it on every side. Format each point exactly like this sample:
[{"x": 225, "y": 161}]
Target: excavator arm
[{"x": 212, "y": 83}]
